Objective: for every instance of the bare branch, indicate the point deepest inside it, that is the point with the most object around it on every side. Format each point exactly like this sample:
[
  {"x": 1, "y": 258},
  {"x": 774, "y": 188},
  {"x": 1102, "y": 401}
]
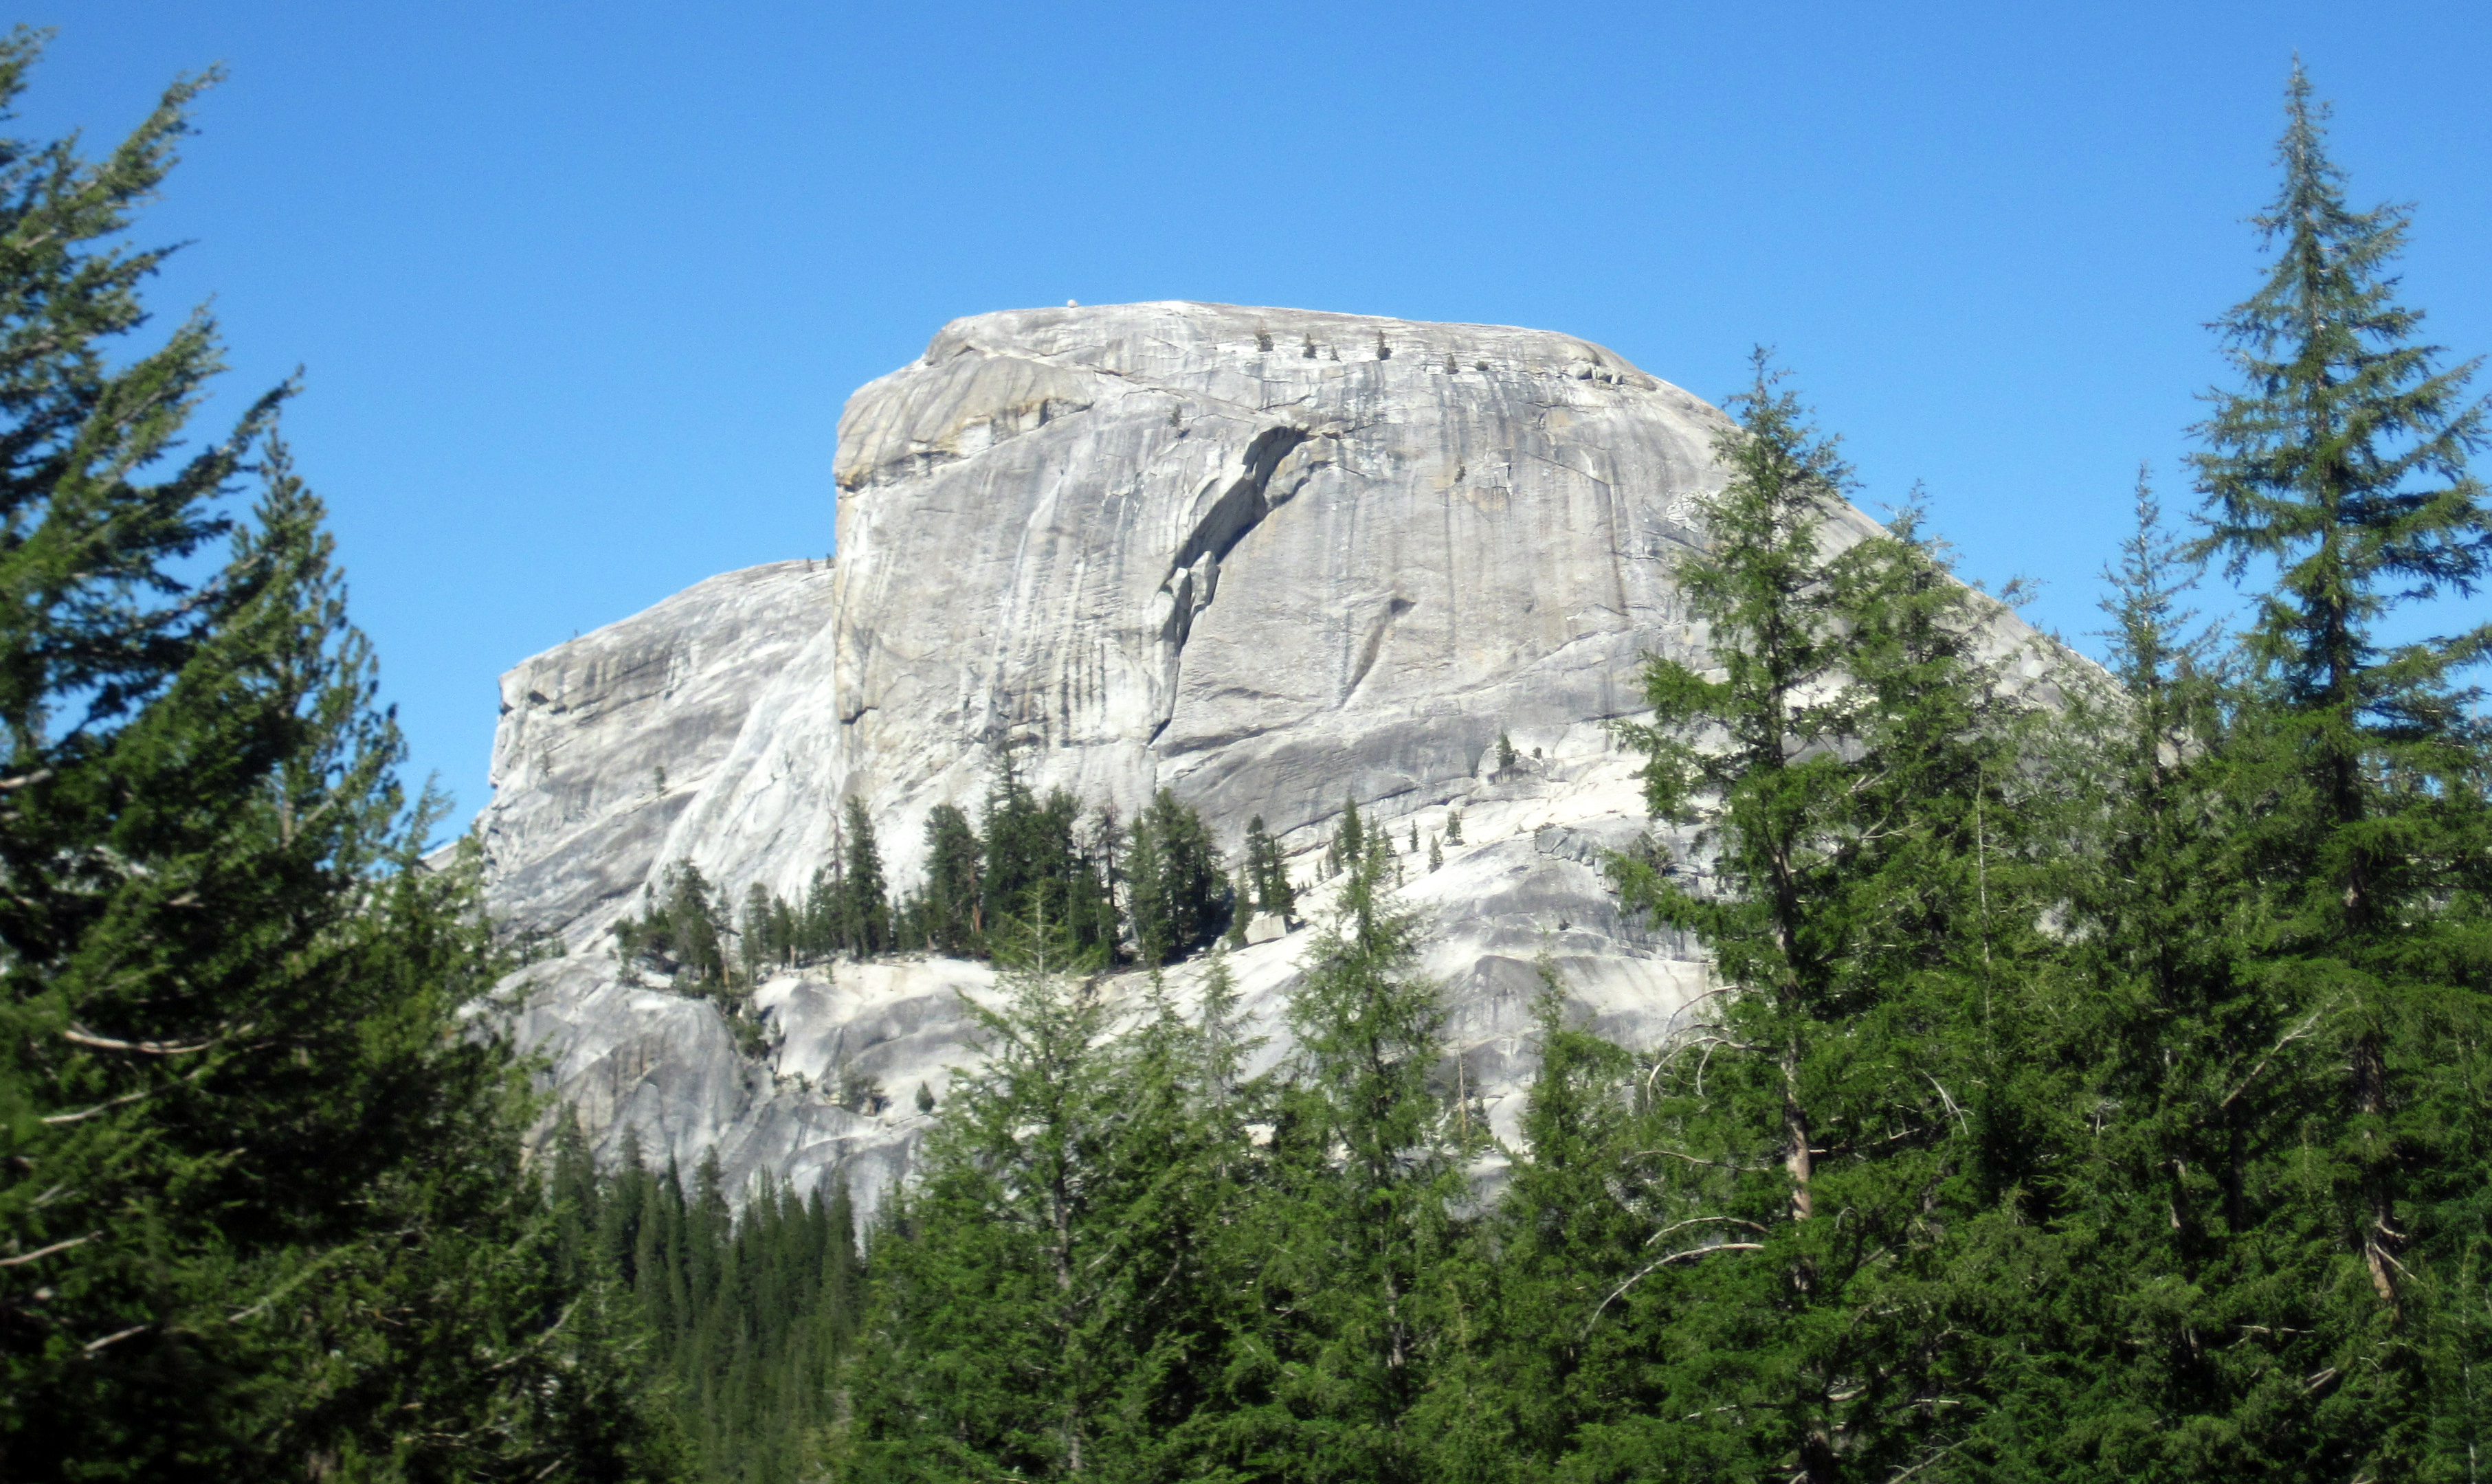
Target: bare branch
[
  {"x": 1947, "y": 1099},
  {"x": 1655, "y": 1266},
  {"x": 84, "y": 1114},
  {"x": 92, "y": 1345},
  {"x": 1692, "y": 1159},
  {"x": 1899, "y": 1477},
  {"x": 58, "y": 1246},
  {"x": 1699, "y": 1221},
  {"x": 80, "y": 1035},
  {"x": 2290, "y": 1037}
]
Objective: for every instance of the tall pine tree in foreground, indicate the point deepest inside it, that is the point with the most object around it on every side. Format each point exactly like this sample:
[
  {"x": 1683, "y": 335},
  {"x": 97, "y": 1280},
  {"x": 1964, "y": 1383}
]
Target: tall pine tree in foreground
[
  {"x": 2358, "y": 768},
  {"x": 1042, "y": 1290},
  {"x": 262, "y": 1211},
  {"x": 1830, "y": 1141},
  {"x": 1341, "y": 1242}
]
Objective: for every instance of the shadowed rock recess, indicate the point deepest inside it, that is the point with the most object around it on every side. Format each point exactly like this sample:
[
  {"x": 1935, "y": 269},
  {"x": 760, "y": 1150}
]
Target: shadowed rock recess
[{"x": 1267, "y": 558}]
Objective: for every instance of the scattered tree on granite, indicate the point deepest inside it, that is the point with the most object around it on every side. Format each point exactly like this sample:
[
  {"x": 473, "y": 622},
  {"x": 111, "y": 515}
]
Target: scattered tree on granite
[
  {"x": 1504, "y": 751},
  {"x": 859, "y": 1091},
  {"x": 944, "y": 914},
  {"x": 756, "y": 940},
  {"x": 262, "y": 1206},
  {"x": 1030, "y": 857},
  {"x": 682, "y": 932},
  {"x": 862, "y": 921},
  {"x": 1267, "y": 872},
  {"x": 1182, "y": 898},
  {"x": 1091, "y": 913}
]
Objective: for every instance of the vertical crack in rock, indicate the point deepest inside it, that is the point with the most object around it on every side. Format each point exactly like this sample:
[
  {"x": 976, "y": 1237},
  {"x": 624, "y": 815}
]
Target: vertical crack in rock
[{"x": 1195, "y": 575}]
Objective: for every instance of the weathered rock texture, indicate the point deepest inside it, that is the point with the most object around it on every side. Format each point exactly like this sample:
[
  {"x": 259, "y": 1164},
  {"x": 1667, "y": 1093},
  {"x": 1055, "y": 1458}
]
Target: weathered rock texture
[{"x": 1267, "y": 558}]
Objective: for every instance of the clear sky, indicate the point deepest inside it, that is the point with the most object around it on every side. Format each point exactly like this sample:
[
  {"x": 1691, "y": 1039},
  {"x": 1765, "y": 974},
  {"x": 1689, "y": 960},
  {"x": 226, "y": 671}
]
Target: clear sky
[{"x": 578, "y": 288}]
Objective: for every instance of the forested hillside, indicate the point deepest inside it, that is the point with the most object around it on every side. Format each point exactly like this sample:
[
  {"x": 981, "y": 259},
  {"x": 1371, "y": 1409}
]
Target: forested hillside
[{"x": 2094, "y": 1081}]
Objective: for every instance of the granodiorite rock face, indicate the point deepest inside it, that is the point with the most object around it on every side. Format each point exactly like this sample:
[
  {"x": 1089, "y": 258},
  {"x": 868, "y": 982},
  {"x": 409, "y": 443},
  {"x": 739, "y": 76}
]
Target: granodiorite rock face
[{"x": 1267, "y": 558}]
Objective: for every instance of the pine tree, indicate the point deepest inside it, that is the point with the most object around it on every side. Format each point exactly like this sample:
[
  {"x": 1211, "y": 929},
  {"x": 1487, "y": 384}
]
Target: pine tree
[
  {"x": 1267, "y": 872},
  {"x": 865, "y": 900},
  {"x": 262, "y": 1200},
  {"x": 1019, "y": 855},
  {"x": 1355, "y": 1213},
  {"x": 947, "y": 910},
  {"x": 1549, "y": 1310},
  {"x": 1182, "y": 898},
  {"x": 753, "y": 940},
  {"x": 1815, "y": 1151},
  {"x": 682, "y": 932},
  {"x": 2342, "y": 461},
  {"x": 2161, "y": 1247},
  {"x": 1040, "y": 1293}
]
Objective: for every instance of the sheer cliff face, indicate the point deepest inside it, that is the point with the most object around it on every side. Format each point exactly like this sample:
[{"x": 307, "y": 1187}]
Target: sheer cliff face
[
  {"x": 1265, "y": 557},
  {"x": 605, "y": 741},
  {"x": 1268, "y": 558}
]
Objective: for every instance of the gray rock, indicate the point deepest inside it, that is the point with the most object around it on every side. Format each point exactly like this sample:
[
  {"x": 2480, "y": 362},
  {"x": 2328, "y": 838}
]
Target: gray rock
[
  {"x": 605, "y": 742},
  {"x": 1265, "y": 558},
  {"x": 1265, "y": 928}
]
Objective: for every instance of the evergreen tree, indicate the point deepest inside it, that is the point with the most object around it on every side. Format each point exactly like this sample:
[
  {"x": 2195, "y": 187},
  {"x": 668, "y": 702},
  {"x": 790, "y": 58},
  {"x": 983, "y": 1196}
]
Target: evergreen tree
[
  {"x": 1020, "y": 848},
  {"x": 749, "y": 1313},
  {"x": 990, "y": 1359},
  {"x": 753, "y": 941},
  {"x": 1549, "y": 1312},
  {"x": 1093, "y": 917},
  {"x": 1180, "y": 896},
  {"x": 682, "y": 932},
  {"x": 1814, "y": 1143},
  {"x": 2337, "y": 1050},
  {"x": 1354, "y": 1211},
  {"x": 1267, "y": 872},
  {"x": 2160, "y": 1246},
  {"x": 864, "y": 901},
  {"x": 262, "y": 1202},
  {"x": 948, "y": 918},
  {"x": 1039, "y": 1293}
]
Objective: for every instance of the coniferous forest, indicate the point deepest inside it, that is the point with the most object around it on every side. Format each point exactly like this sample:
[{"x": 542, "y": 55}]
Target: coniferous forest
[{"x": 2095, "y": 1084}]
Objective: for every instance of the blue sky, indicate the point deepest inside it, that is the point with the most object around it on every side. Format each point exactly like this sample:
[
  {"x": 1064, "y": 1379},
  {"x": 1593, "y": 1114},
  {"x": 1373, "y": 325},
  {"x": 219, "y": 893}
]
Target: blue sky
[{"x": 579, "y": 289}]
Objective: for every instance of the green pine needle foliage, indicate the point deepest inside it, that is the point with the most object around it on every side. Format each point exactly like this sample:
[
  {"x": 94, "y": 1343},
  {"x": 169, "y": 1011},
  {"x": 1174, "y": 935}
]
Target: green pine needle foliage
[{"x": 262, "y": 1200}]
